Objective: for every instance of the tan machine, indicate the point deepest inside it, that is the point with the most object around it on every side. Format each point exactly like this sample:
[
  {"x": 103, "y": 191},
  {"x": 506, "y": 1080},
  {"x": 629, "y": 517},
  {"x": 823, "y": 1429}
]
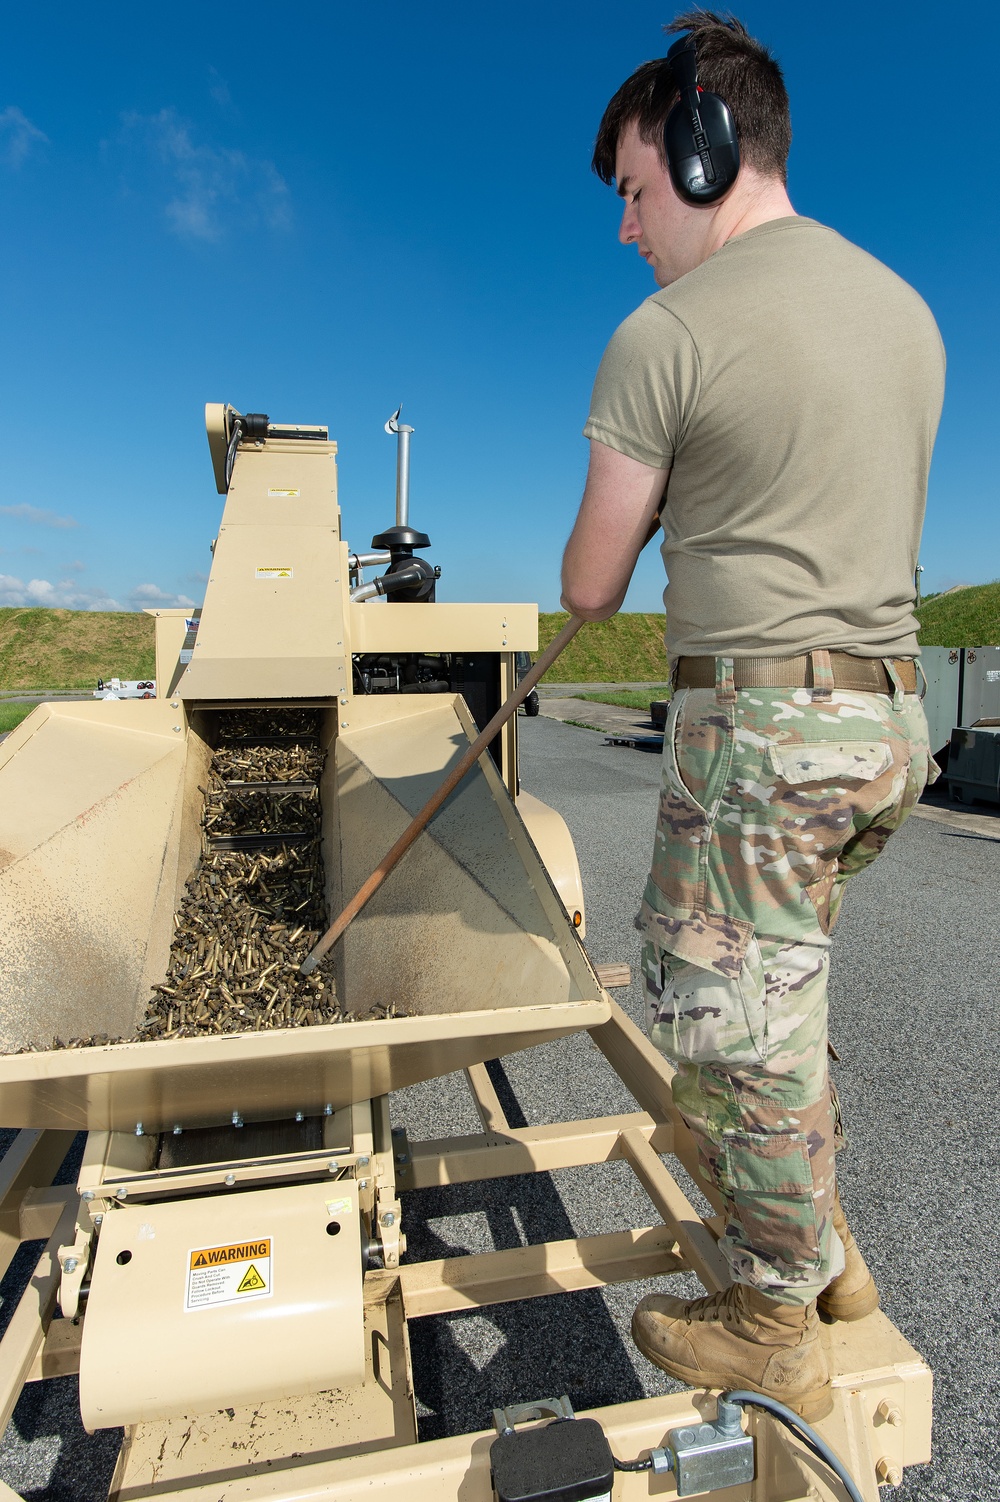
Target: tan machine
[{"x": 230, "y": 1268}]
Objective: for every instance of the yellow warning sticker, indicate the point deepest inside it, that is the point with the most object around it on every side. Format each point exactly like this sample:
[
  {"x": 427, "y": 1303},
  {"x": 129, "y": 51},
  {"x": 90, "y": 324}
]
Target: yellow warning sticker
[
  {"x": 252, "y": 1281},
  {"x": 275, "y": 571},
  {"x": 228, "y": 1274},
  {"x": 277, "y": 490}
]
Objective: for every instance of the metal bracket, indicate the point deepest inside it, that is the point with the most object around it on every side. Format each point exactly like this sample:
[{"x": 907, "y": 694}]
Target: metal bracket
[
  {"x": 524, "y": 1413},
  {"x": 402, "y": 1158},
  {"x": 388, "y": 1215},
  {"x": 73, "y": 1261}
]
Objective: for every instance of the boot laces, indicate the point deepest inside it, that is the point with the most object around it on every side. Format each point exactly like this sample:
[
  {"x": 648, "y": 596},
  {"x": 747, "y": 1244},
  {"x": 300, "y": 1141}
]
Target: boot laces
[{"x": 723, "y": 1307}]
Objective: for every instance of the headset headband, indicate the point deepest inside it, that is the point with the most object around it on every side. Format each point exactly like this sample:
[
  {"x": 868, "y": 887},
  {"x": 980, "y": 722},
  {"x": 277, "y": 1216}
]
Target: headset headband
[{"x": 699, "y": 136}]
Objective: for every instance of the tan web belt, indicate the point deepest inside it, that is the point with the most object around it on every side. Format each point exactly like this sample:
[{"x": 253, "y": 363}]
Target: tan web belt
[{"x": 862, "y": 674}]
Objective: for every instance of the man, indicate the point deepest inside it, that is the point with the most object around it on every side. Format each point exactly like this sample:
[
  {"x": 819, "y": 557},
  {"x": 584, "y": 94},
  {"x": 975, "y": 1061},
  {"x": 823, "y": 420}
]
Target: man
[{"x": 775, "y": 406}]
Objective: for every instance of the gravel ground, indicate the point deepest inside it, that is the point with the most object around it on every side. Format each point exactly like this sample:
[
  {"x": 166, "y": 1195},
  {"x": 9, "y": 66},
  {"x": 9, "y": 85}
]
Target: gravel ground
[{"x": 915, "y": 945}]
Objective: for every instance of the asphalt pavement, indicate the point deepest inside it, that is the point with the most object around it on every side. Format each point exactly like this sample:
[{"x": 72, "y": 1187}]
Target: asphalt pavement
[{"x": 914, "y": 1016}]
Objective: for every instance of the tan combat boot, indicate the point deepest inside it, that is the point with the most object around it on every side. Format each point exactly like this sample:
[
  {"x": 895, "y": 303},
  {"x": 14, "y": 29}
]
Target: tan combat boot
[
  {"x": 739, "y": 1338},
  {"x": 853, "y": 1294}
]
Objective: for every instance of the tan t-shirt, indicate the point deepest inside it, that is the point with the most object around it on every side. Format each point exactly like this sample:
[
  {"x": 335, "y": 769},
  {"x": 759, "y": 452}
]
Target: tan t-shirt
[{"x": 792, "y": 385}]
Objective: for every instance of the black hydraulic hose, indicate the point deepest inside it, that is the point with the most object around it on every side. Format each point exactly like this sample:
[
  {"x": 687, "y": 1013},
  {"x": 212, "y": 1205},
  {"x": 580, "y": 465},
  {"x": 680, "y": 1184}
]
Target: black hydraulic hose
[
  {"x": 412, "y": 574},
  {"x": 234, "y": 444},
  {"x": 789, "y": 1417},
  {"x": 633, "y": 1465}
]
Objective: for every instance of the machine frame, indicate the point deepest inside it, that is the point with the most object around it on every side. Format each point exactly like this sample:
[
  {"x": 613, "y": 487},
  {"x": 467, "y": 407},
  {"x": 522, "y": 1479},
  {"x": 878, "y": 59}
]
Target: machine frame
[{"x": 882, "y": 1389}]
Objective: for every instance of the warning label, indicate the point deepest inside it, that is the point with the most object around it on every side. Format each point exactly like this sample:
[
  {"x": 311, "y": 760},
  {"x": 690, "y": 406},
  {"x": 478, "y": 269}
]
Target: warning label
[
  {"x": 275, "y": 571},
  {"x": 228, "y": 1274},
  {"x": 278, "y": 490}
]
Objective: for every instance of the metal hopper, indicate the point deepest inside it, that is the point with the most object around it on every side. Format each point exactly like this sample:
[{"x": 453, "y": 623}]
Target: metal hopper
[{"x": 100, "y": 830}]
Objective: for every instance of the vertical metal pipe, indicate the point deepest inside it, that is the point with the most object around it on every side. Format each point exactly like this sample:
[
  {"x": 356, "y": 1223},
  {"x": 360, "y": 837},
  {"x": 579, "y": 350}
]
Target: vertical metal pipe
[
  {"x": 403, "y": 476},
  {"x": 402, "y": 432}
]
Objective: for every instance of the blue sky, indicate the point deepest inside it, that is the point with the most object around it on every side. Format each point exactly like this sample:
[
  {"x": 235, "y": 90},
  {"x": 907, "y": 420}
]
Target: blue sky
[{"x": 321, "y": 210}]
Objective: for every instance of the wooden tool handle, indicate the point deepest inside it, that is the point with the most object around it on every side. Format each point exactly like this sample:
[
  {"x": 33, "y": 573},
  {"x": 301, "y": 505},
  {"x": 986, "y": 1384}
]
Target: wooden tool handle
[{"x": 430, "y": 808}]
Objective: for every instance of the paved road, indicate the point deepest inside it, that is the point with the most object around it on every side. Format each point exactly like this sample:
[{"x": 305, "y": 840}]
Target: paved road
[
  {"x": 54, "y": 696},
  {"x": 915, "y": 1019}
]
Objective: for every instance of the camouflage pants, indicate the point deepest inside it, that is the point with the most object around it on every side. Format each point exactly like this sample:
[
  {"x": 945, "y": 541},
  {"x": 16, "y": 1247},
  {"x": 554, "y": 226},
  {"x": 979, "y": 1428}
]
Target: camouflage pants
[{"x": 771, "y": 799}]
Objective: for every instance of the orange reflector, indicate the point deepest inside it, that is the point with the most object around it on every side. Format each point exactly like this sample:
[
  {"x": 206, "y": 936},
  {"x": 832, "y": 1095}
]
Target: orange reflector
[{"x": 577, "y": 919}]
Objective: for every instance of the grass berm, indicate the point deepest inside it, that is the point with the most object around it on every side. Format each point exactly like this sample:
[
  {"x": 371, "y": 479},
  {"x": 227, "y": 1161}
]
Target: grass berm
[
  {"x": 629, "y": 648},
  {"x": 42, "y": 649},
  {"x": 51, "y": 649}
]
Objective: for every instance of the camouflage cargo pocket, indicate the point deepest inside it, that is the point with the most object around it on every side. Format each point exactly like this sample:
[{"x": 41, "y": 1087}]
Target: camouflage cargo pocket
[
  {"x": 770, "y": 1181},
  {"x": 702, "y": 1016},
  {"x": 826, "y": 761}
]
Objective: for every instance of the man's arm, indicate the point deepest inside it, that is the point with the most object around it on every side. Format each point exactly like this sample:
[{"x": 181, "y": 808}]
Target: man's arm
[{"x": 617, "y": 518}]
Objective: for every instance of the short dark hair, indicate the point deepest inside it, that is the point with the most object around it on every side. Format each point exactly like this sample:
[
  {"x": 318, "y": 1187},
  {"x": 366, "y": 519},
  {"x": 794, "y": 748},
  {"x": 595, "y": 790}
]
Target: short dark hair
[{"x": 732, "y": 64}]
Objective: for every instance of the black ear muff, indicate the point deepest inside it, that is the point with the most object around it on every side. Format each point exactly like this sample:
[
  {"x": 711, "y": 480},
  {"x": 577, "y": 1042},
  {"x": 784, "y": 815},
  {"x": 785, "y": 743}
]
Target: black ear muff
[{"x": 699, "y": 137}]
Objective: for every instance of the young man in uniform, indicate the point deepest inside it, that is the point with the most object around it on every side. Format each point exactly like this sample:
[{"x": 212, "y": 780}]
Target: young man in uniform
[{"x": 773, "y": 407}]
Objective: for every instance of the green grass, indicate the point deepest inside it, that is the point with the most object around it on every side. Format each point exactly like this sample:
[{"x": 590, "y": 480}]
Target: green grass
[
  {"x": 585, "y": 725},
  {"x": 11, "y": 715},
  {"x": 625, "y": 649},
  {"x": 48, "y": 649},
  {"x": 629, "y": 698},
  {"x": 968, "y": 618}
]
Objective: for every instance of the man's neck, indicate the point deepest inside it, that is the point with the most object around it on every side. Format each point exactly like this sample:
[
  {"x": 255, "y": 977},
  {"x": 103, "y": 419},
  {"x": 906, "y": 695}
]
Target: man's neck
[{"x": 757, "y": 200}]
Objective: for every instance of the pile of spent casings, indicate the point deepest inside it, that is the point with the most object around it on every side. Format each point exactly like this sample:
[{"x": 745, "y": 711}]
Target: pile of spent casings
[{"x": 254, "y": 906}]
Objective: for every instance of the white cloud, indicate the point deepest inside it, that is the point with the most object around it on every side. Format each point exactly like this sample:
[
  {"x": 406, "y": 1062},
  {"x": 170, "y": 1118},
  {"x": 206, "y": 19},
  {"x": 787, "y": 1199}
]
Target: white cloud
[
  {"x": 37, "y": 516},
  {"x": 18, "y": 135},
  {"x": 65, "y": 595},
  {"x": 210, "y": 189},
  {"x": 152, "y": 597},
  {"x": 70, "y": 594}
]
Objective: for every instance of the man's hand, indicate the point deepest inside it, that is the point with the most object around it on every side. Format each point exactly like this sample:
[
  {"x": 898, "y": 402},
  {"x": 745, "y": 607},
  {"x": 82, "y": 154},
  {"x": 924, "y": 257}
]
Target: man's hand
[{"x": 618, "y": 516}]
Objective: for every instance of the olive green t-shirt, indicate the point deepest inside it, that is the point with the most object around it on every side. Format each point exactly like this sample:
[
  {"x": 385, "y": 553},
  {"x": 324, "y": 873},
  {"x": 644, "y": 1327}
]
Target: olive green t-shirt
[{"x": 792, "y": 385}]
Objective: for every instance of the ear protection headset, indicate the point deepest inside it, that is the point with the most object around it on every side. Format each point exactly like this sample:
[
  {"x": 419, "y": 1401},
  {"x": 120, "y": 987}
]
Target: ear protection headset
[{"x": 699, "y": 136}]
